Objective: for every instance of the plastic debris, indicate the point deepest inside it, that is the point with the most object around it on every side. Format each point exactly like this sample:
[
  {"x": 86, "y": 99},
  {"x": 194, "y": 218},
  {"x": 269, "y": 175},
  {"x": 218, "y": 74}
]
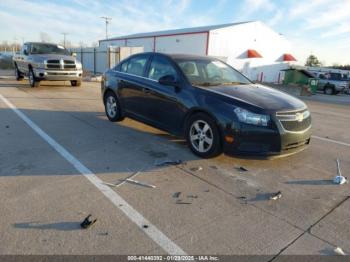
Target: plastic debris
[
  {"x": 7, "y": 126},
  {"x": 206, "y": 190},
  {"x": 339, "y": 251},
  {"x": 192, "y": 196},
  {"x": 176, "y": 194},
  {"x": 139, "y": 183},
  {"x": 168, "y": 162},
  {"x": 181, "y": 202},
  {"x": 109, "y": 184},
  {"x": 145, "y": 226},
  {"x": 242, "y": 169},
  {"x": 195, "y": 169},
  {"x": 214, "y": 167},
  {"x": 276, "y": 196},
  {"x": 88, "y": 222},
  {"x": 339, "y": 179}
]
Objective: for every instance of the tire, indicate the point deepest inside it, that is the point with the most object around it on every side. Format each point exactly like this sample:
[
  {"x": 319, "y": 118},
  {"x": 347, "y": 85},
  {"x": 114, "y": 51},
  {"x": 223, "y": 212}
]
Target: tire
[
  {"x": 18, "y": 74},
  {"x": 112, "y": 107},
  {"x": 33, "y": 82},
  {"x": 75, "y": 83},
  {"x": 329, "y": 90},
  {"x": 203, "y": 136}
]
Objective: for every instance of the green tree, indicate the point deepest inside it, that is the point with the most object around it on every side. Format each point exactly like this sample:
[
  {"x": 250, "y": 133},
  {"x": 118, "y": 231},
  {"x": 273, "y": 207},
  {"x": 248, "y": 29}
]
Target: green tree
[{"x": 312, "y": 61}]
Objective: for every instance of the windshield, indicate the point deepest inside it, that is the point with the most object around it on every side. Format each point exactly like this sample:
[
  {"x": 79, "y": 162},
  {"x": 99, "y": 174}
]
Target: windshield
[
  {"x": 48, "y": 49},
  {"x": 205, "y": 72}
]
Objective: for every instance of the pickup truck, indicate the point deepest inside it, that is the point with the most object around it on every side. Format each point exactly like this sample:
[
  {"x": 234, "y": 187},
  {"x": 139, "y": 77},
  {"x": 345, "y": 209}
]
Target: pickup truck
[
  {"x": 46, "y": 61},
  {"x": 331, "y": 83}
]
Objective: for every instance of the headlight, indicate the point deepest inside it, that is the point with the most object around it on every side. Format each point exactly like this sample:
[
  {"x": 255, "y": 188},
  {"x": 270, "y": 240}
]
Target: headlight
[
  {"x": 248, "y": 117},
  {"x": 79, "y": 65}
]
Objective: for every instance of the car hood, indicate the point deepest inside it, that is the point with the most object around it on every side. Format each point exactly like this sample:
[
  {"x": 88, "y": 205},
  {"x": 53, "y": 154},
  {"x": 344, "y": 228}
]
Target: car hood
[
  {"x": 43, "y": 57},
  {"x": 266, "y": 98}
]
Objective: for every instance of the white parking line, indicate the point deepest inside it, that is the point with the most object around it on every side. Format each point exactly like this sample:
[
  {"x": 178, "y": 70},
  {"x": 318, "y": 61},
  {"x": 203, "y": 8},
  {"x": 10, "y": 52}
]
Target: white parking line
[
  {"x": 154, "y": 233},
  {"x": 331, "y": 140}
]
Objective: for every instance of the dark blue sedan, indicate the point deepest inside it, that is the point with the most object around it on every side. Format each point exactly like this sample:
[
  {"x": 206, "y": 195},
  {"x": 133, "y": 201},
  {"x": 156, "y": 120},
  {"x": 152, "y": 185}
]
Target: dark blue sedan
[{"x": 208, "y": 102}]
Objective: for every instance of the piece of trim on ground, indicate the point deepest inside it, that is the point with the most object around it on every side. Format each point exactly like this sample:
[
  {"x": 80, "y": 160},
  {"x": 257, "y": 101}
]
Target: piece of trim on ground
[
  {"x": 331, "y": 140},
  {"x": 151, "y": 231}
]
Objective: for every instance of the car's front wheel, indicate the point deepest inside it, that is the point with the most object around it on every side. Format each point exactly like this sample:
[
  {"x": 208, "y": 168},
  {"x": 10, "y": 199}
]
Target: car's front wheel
[
  {"x": 112, "y": 107},
  {"x": 32, "y": 79},
  {"x": 203, "y": 137},
  {"x": 329, "y": 90},
  {"x": 75, "y": 83}
]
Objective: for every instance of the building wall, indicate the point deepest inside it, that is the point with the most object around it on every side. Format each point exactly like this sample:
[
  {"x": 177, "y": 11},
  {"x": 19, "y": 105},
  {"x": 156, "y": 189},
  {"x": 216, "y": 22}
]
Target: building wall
[{"x": 233, "y": 43}]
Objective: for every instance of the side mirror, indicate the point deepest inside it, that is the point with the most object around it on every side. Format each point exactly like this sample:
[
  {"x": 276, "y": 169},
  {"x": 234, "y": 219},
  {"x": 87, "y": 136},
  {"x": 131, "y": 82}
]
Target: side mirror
[
  {"x": 73, "y": 54},
  {"x": 168, "y": 80}
]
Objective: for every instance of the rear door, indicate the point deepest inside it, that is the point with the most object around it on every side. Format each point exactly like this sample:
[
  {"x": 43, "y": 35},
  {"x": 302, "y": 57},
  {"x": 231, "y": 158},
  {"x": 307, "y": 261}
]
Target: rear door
[{"x": 132, "y": 84}]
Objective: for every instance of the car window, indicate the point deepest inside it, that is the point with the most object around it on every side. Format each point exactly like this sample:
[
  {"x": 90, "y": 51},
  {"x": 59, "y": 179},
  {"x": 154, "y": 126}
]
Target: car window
[
  {"x": 136, "y": 65},
  {"x": 208, "y": 72},
  {"x": 160, "y": 67},
  {"x": 124, "y": 67}
]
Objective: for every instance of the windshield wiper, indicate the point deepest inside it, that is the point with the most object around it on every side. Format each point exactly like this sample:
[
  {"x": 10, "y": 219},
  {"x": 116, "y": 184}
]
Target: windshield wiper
[{"x": 234, "y": 83}]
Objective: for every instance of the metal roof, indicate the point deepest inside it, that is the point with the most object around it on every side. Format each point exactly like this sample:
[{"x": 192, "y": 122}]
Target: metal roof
[{"x": 176, "y": 31}]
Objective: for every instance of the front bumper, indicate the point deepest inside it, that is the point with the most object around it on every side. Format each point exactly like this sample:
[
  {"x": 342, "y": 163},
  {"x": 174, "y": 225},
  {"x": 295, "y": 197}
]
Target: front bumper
[
  {"x": 58, "y": 75},
  {"x": 262, "y": 141}
]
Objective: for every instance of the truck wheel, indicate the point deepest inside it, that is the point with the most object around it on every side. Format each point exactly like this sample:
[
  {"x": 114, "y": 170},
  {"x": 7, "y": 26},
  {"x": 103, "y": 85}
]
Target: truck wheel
[
  {"x": 75, "y": 83},
  {"x": 329, "y": 90},
  {"x": 32, "y": 79},
  {"x": 18, "y": 74},
  {"x": 203, "y": 137}
]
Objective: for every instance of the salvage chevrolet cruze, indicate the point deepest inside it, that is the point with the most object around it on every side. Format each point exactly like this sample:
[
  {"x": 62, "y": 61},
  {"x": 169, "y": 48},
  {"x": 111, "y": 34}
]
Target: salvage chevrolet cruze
[{"x": 208, "y": 102}]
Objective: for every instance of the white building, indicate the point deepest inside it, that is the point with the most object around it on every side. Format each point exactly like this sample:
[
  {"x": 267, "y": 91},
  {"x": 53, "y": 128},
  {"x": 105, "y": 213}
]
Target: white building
[{"x": 251, "y": 47}]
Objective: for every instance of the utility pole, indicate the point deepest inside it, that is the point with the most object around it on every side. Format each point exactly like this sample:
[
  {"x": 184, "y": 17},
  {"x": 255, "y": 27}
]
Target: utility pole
[
  {"x": 64, "y": 39},
  {"x": 107, "y": 21}
]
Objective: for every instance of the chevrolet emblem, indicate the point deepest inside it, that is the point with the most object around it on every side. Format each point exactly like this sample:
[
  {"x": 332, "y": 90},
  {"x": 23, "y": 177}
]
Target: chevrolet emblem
[{"x": 299, "y": 117}]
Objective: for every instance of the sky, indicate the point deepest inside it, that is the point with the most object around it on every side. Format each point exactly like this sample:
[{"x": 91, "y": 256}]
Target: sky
[{"x": 319, "y": 27}]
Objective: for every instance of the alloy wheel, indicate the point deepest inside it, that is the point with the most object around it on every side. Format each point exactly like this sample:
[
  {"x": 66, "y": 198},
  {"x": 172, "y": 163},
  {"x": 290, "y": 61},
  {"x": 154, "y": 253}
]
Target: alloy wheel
[
  {"x": 201, "y": 136},
  {"x": 111, "y": 106}
]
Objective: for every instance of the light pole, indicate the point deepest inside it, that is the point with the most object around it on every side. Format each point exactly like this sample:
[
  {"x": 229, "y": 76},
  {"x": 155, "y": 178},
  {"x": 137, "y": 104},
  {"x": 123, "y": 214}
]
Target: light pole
[
  {"x": 107, "y": 21},
  {"x": 64, "y": 39}
]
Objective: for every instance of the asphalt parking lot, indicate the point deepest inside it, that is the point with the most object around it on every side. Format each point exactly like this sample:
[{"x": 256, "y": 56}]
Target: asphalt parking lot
[{"x": 57, "y": 149}]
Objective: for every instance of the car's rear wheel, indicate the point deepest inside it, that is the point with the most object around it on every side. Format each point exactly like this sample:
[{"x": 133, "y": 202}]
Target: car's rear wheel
[
  {"x": 18, "y": 74},
  {"x": 32, "y": 79},
  {"x": 112, "y": 107},
  {"x": 75, "y": 83},
  {"x": 203, "y": 136},
  {"x": 329, "y": 90}
]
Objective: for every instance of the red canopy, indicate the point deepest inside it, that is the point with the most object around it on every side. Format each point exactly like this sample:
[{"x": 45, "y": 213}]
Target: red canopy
[
  {"x": 288, "y": 57},
  {"x": 251, "y": 53}
]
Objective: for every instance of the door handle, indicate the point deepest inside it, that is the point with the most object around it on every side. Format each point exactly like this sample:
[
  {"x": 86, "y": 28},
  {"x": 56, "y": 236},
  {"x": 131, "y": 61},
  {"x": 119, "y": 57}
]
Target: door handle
[{"x": 146, "y": 90}]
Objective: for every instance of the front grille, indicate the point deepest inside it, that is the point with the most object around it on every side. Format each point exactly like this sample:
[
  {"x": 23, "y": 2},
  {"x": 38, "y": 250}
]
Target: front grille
[
  {"x": 295, "y": 121},
  {"x": 61, "y": 64}
]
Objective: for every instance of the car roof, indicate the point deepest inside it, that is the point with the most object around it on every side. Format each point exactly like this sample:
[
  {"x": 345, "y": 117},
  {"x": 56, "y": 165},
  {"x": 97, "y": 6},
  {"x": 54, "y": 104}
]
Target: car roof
[{"x": 178, "y": 56}]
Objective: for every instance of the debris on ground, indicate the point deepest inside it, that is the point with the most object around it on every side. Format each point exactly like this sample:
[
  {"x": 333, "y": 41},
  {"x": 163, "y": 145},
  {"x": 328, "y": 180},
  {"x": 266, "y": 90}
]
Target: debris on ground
[
  {"x": 242, "y": 169},
  {"x": 214, "y": 167},
  {"x": 181, "y": 202},
  {"x": 109, "y": 184},
  {"x": 339, "y": 251},
  {"x": 7, "y": 126},
  {"x": 88, "y": 222},
  {"x": 135, "y": 182},
  {"x": 339, "y": 179},
  {"x": 145, "y": 226},
  {"x": 276, "y": 196},
  {"x": 195, "y": 169},
  {"x": 176, "y": 194},
  {"x": 242, "y": 198},
  {"x": 206, "y": 190},
  {"x": 167, "y": 162},
  {"x": 192, "y": 196}
]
